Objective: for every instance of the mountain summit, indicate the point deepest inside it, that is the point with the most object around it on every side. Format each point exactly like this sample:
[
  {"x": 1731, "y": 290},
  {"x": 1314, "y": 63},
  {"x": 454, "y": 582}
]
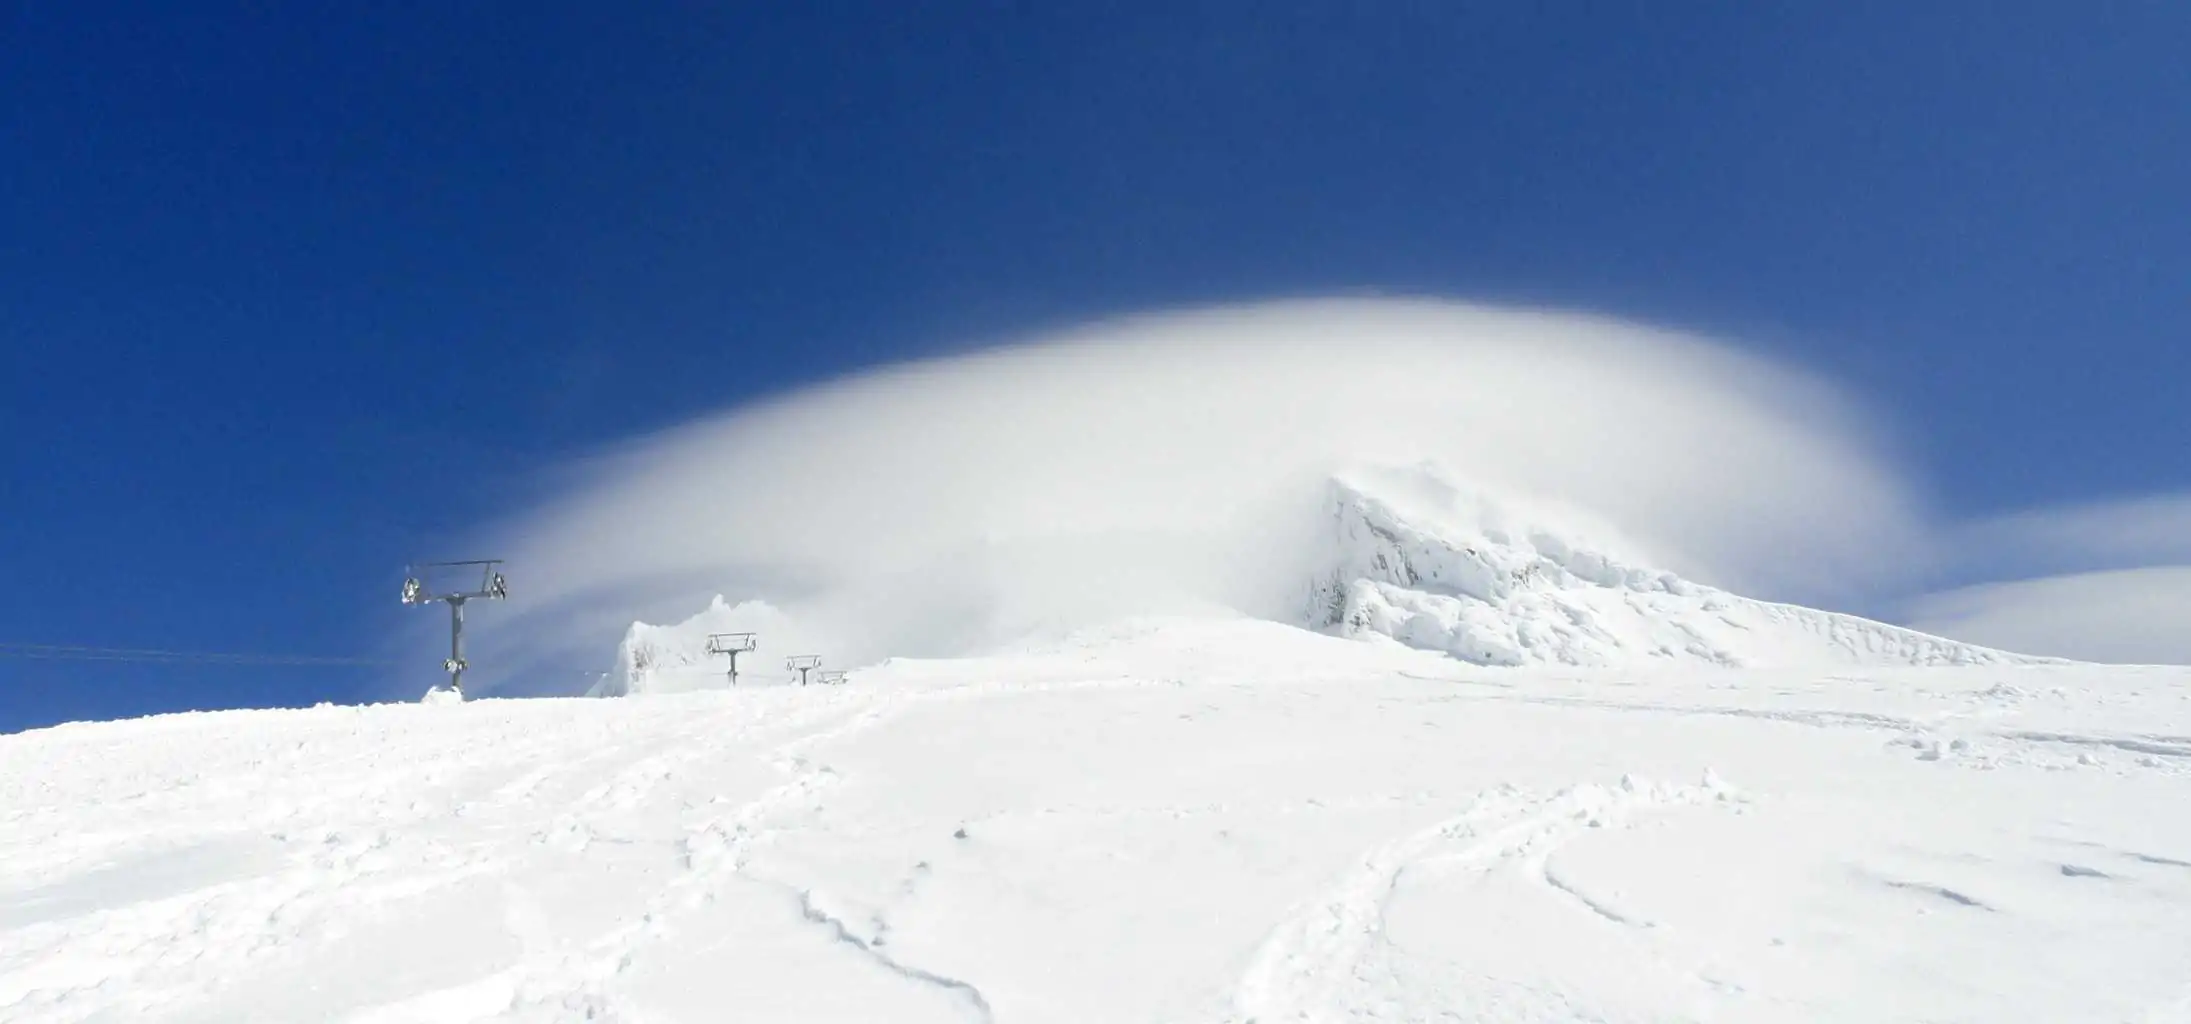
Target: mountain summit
[{"x": 1416, "y": 559}]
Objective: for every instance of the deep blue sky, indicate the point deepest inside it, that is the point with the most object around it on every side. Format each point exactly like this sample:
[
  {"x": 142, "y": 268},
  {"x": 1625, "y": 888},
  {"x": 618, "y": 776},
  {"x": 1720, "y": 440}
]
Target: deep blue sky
[{"x": 289, "y": 297}]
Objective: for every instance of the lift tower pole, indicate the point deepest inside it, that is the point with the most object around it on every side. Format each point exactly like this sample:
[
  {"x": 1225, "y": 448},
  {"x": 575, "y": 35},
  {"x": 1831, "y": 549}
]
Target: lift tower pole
[
  {"x": 491, "y": 587},
  {"x": 732, "y": 644}
]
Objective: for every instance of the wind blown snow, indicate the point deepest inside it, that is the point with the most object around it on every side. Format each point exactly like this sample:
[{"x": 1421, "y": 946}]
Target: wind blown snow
[{"x": 1178, "y": 461}]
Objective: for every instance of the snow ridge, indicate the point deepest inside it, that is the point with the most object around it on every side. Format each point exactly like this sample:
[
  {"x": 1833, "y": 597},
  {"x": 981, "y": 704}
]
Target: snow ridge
[{"x": 1418, "y": 560}]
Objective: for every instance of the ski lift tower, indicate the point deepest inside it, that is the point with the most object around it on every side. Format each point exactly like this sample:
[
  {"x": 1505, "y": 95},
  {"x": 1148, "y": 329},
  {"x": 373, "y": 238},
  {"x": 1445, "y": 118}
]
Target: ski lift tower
[
  {"x": 732, "y": 644},
  {"x": 490, "y": 587},
  {"x": 803, "y": 664}
]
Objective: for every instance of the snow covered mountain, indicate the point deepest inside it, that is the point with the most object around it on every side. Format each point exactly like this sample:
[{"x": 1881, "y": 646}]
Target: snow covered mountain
[
  {"x": 1416, "y": 559},
  {"x": 1408, "y": 555}
]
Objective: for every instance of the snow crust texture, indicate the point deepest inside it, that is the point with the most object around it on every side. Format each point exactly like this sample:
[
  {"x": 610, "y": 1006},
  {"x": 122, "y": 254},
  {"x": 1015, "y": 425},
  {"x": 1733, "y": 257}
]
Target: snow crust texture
[
  {"x": 1216, "y": 821},
  {"x": 1417, "y": 560}
]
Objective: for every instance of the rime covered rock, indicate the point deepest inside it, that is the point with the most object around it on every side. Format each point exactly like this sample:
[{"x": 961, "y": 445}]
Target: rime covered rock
[
  {"x": 1414, "y": 558},
  {"x": 674, "y": 658}
]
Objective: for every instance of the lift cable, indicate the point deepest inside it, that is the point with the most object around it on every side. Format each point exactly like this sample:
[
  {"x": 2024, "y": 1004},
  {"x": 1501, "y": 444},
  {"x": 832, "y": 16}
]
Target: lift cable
[{"x": 66, "y": 652}]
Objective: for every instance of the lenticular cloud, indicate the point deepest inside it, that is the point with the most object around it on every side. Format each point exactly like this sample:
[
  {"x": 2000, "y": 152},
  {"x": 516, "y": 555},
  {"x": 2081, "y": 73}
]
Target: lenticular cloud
[{"x": 1141, "y": 464}]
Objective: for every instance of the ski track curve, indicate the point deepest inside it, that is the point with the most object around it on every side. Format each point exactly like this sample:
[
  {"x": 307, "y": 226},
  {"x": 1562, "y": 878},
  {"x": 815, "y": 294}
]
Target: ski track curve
[
  {"x": 573, "y": 983},
  {"x": 1322, "y": 962},
  {"x": 976, "y": 1003}
]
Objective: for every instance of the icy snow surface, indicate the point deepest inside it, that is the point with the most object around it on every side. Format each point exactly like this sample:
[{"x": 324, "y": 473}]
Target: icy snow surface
[{"x": 1169, "y": 820}]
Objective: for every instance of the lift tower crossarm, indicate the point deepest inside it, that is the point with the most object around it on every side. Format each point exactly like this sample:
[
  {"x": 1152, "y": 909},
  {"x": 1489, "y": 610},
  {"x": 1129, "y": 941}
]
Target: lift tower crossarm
[
  {"x": 732, "y": 644},
  {"x": 492, "y": 587}
]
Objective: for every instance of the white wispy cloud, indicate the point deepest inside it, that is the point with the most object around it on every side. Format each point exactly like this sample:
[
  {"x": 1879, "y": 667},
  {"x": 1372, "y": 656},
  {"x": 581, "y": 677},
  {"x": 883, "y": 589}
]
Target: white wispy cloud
[
  {"x": 2133, "y": 616},
  {"x": 2117, "y": 534},
  {"x": 2096, "y": 581}
]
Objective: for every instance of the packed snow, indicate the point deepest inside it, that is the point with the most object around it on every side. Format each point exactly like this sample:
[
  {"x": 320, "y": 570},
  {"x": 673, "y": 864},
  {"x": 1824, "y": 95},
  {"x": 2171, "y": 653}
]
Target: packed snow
[{"x": 1185, "y": 819}]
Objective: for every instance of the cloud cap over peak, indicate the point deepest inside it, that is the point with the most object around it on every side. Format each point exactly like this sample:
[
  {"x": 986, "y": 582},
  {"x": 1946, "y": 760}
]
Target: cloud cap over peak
[{"x": 1165, "y": 457}]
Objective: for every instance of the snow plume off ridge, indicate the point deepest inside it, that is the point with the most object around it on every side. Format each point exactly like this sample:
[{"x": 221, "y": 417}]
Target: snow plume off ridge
[{"x": 1184, "y": 461}]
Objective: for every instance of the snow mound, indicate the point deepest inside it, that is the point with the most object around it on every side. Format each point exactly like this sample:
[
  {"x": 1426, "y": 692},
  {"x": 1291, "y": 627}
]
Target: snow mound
[
  {"x": 442, "y": 695},
  {"x": 1430, "y": 565}
]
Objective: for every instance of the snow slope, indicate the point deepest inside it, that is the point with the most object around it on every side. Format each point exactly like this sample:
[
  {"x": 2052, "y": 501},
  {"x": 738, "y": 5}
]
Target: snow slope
[
  {"x": 1165, "y": 820},
  {"x": 1417, "y": 559}
]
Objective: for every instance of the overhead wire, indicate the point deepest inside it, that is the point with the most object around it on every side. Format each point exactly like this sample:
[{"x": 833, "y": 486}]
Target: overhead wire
[{"x": 72, "y": 652}]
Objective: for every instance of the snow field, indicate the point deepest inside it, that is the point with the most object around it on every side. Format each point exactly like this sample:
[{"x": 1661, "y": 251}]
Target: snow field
[{"x": 1213, "y": 821}]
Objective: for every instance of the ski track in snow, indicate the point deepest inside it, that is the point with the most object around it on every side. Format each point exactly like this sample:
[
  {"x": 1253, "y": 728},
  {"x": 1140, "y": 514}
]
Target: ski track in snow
[
  {"x": 575, "y": 984},
  {"x": 163, "y": 945},
  {"x": 567, "y": 983},
  {"x": 1323, "y": 962},
  {"x": 975, "y": 1001}
]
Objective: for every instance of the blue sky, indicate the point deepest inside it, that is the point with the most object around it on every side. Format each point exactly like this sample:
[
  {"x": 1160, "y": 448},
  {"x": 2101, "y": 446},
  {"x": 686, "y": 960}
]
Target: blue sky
[{"x": 289, "y": 297}]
